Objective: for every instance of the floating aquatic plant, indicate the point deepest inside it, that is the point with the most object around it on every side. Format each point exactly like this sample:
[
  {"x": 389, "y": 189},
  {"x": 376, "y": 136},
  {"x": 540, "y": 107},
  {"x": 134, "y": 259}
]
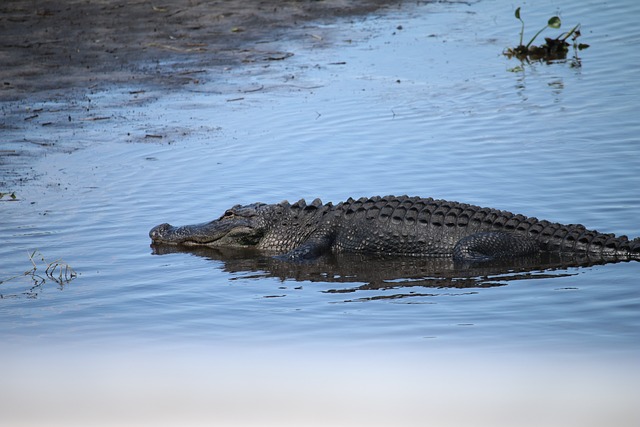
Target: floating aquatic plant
[{"x": 552, "y": 49}]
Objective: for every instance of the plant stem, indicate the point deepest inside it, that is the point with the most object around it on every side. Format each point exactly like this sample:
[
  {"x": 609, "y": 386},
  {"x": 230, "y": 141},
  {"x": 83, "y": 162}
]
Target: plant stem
[
  {"x": 573, "y": 30},
  {"x": 522, "y": 28},
  {"x": 534, "y": 37}
]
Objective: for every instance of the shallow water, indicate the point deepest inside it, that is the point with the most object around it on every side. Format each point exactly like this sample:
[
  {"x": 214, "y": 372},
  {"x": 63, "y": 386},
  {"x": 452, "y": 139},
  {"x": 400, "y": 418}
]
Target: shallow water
[{"x": 432, "y": 109}]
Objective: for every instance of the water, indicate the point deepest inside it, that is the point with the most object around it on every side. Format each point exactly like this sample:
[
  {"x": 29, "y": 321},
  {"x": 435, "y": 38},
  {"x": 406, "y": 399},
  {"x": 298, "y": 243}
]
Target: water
[{"x": 431, "y": 109}]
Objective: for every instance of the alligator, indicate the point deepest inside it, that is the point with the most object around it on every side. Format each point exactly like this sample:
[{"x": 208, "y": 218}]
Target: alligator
[{"x": 390, "y": 225}]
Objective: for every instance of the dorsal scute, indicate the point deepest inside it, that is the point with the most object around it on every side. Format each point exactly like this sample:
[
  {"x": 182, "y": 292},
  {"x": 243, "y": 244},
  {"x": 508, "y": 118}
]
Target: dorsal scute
[
  {"x": 349, "y": 207},
  {"x": 411, "y": 210},
  {"x": 393, "y": 203},
  {"x": 526, "y": 223},
  {"x": 501, "y": 219},
  {"x": 634, "y": 246},
  {"x": 302, "y": 208},
  {"x": 514, "y": 221},
  {"x": 407, "y": 202},
  {"x": 578, "y": 227},
  {"x": 310, "y": 208},
  {"x": 451, "y": 217},
  {"x": 300, "y": 204},
  {"x": 316, "y": 203}
]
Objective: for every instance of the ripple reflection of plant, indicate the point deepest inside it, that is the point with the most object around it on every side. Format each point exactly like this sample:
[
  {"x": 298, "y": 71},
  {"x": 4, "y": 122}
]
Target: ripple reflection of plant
[
  {"x": 552, "y": 49},
  {"x": 58, "y": 271}
]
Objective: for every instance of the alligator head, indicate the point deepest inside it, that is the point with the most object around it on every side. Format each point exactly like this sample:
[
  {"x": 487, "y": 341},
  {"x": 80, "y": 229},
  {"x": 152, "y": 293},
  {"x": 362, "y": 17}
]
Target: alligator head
[{"x": 240, "y": 226}]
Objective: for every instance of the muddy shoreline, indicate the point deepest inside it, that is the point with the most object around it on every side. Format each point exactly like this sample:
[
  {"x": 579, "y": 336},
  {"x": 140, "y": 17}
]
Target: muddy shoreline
[
  {"x": 50, "y": 45},
  {"x": 61, "y": 57}
]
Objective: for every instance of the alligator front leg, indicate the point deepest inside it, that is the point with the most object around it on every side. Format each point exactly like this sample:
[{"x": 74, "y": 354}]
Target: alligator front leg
[
  {"x": 311, "y": 248},
  {"x": 493, "y": 245}
]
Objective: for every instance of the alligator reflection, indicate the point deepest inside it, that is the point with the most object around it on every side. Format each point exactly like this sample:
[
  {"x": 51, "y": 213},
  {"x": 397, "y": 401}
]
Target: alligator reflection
[{"x": 374, "y": 272}]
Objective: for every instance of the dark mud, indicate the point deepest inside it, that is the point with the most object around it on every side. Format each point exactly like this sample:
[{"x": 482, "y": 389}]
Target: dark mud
[{"x": 56, "y": 45}]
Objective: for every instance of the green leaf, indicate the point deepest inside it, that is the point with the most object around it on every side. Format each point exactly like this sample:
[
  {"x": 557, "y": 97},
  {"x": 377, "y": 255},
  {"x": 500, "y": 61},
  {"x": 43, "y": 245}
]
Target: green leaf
[
  {"x": 518, "y": 13},
  {"x": 554, "y": 22}
]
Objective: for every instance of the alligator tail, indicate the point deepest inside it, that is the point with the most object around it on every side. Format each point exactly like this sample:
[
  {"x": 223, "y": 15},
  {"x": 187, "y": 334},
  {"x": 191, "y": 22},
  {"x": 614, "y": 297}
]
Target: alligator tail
[{"x": 575, "y": 238}]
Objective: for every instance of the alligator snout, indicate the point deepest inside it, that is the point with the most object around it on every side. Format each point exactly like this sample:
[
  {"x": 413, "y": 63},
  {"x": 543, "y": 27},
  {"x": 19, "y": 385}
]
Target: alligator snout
[{"x": 158, "y": 232}]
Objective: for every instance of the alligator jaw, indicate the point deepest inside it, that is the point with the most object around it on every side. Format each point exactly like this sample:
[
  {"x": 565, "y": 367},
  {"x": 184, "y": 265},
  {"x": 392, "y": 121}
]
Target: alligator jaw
[
  {"x": 214, "y": 233},
  {"x": 169, "y": 235}
]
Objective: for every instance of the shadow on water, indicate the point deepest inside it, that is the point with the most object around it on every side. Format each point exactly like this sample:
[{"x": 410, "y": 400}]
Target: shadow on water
[{"x": 357, "y": 272}]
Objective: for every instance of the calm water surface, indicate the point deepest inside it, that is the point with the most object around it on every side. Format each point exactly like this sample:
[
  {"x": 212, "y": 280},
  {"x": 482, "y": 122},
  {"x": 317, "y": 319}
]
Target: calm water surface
[{"x": 417, "y": 101}]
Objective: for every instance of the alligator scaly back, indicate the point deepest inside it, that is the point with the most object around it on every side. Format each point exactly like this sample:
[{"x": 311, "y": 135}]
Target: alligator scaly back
[{"x": 447, "y": 218}]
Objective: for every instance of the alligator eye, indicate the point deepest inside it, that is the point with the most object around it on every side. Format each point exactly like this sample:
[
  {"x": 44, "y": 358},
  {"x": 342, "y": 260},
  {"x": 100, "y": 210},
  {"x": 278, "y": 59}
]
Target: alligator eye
[{"x": 227, "y": 214}]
